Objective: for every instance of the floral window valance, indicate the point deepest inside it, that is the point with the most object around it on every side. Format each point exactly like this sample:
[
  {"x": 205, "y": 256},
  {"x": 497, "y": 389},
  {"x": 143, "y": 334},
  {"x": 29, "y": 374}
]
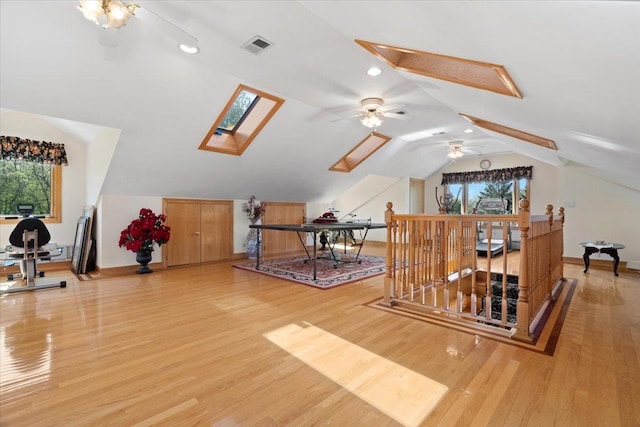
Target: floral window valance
[
  {"x": 496, "y": 175},
  {"x": 14, "y": 148}
]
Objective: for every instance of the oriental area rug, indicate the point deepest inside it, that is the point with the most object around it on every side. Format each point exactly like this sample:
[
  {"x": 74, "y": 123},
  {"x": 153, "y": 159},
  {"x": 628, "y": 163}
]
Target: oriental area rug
[{"x": 328, "y": 276}]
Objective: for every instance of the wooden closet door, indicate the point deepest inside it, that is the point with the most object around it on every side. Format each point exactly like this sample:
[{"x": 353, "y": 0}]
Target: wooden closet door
[
  {"x": 416, "y": 196},
  {"x": 280, "y": 242},
  {"x": 184, "y": 245},
  {"x": 216, "y": 223}
]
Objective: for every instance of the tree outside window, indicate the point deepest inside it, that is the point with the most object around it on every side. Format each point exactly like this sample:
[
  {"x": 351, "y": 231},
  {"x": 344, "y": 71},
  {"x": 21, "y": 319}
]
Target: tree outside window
[
  {"x": 241, "y": 106},
  {"x": 25, "y": 182},
  {"x": 472, "y": 193}
]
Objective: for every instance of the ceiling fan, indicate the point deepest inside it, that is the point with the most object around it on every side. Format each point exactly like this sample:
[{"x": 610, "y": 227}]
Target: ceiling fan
[
  {"x": 115, "y": 14},
  {"x": 456, "y": 148},
  {"x": 372, "y": 112}
]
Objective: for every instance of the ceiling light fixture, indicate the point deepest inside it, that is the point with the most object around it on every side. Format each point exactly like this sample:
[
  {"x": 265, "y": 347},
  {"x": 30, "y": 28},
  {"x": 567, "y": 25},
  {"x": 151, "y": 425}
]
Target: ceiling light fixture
[
  {"x": 107, "y": 13},
  {"x": 455, "y": 150},
  {"x": 372, "y": 119},
  {"x": 189, "y": 49},
  {"x": 116, "y": 13},
  {"x": 374, "y": 71}
]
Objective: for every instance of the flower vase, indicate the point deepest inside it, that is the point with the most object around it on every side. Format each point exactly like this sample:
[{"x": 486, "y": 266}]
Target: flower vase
[
  {"x": 252, "y": 241},
  {"x": 143, "y": 258}
]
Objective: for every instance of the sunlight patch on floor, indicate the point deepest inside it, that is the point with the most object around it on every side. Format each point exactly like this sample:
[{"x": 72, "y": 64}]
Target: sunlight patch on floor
[{"x": 404, "y": 395}]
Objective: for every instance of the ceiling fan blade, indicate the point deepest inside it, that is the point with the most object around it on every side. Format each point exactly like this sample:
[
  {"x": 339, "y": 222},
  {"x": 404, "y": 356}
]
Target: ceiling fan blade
[
  {"x": 348, "y": 117},
  {"x": 166, "y": 27},
  {"x": 400, "y": 116},
  {"x": 424, "y": 148},
  {"x": 390, "y": 107}
]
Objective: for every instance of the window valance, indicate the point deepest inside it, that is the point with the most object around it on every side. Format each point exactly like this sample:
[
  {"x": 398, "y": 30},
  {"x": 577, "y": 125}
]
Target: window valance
[
  {"x": 15, "y": 148},
  {"x": 496, "y": 175}
]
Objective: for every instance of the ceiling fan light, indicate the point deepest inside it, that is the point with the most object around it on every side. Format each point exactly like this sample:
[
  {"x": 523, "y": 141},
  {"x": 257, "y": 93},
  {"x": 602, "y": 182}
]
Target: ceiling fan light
[
  {"x": 118, "y": 14},
  {"x": 455, "y": 152},
  {"x": 91, "y": 9},
  {"x": 371, "y": 120},
  {"x": 107, "y": 13}
]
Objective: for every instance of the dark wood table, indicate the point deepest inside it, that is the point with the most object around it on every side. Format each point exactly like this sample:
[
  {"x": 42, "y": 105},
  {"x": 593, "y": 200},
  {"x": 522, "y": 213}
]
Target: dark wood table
[{"x": 610, "y": 249}]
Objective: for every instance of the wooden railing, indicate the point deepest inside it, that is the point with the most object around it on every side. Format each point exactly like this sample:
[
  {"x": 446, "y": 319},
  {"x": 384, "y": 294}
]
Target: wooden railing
[{"x": 433, "y": 268}]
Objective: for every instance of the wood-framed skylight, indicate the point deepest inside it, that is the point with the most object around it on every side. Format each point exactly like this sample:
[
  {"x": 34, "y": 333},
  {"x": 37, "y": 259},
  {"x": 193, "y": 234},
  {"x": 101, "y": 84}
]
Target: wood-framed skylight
[
  {"x": 246, "y": 113},
  {"x": 365, "y": 148},
  {"x": 513, "y": 133},
  {"x": 480, "y": 75}
]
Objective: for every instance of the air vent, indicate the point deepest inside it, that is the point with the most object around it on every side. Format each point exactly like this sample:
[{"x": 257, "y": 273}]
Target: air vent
[{"x": 257, "y": 45}]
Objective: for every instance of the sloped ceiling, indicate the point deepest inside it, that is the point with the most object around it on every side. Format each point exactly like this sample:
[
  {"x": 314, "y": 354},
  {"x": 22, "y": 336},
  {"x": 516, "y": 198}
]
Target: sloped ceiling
[{"x": 576, "y": 63}]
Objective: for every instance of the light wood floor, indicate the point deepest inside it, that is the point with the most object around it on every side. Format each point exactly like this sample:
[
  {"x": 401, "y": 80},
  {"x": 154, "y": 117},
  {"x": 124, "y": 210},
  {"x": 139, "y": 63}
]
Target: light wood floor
[{"x": 214, "y": 345}]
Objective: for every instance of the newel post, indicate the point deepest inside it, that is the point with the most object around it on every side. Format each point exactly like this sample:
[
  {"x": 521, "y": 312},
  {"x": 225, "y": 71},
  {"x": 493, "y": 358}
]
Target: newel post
[
  {"x": 522, "y": 331},
  {"x": 562, "y": 241},
  {"x": 549, "y": 239},
  {"x": 388, "y": 277}
]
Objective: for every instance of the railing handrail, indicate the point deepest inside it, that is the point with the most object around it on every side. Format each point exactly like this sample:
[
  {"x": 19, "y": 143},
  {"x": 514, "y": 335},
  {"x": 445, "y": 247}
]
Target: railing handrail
[{"x": 430, "y": 256}]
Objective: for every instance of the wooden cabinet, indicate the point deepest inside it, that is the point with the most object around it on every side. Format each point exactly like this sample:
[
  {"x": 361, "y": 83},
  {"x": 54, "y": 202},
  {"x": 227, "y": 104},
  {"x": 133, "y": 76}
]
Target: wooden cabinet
[
  {"x": 278, "y": 242},
  {"x": 201, "y": 231}
]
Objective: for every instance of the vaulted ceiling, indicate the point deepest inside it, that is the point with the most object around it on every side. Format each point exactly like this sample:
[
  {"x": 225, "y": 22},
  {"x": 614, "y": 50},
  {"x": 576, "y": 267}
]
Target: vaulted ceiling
[{"x": 576, "y": 64}]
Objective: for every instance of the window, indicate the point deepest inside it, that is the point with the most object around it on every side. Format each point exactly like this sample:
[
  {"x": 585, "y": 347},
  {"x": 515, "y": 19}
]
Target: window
[
  {"x": 452, "y": 198},
  {"x": 499, "y": 189},
  {"x": 244, "y": 116},
  {"x": 238, "y": 111},
  {"x": 469, "y": 194},
  {"x": 30, "y": 182}
]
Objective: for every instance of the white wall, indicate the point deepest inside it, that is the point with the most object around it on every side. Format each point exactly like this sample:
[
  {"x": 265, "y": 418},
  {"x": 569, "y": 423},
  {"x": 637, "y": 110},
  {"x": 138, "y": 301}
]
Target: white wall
[
  {"x": 114, "y": 214},
  {"x": 99, "y": 154},
  {"x": 240, "y": 227},
  {"x": 369, "y": 197},
  {"x": 598, "y": 210}
]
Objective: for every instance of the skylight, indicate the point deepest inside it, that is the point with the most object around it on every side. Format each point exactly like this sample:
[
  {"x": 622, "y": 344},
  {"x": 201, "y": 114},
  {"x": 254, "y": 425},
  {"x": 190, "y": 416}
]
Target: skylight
[
  {"x": 358, "y": 154},
  {"x": 238, "y": 111},
  {"x": 244, "y": 116},
  {"x": 480, "y": 75}
]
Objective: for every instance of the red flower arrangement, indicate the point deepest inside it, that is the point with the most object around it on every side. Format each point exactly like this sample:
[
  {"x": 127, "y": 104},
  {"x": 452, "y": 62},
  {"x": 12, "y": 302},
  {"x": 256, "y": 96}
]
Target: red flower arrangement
[{"x": 143, "y": 232}]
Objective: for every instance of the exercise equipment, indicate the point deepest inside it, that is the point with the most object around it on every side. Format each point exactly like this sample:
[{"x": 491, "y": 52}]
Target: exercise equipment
[{"x": 28, "y": 240}]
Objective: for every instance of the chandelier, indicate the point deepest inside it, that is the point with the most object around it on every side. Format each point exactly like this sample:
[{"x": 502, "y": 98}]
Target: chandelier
[
  {"x": 372, "y": 119},
  {"x": 107, "y": 13},
  {"x": 455, "y": 150}
]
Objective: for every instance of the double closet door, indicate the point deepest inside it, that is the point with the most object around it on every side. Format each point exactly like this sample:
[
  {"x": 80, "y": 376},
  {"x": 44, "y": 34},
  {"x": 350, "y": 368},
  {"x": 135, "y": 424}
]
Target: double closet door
[{"x": 201, "y": 231}]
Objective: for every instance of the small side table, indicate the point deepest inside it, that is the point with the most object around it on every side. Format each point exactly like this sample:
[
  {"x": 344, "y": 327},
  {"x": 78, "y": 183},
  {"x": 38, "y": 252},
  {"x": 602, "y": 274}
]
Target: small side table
[{"x": 610, "y": 249}]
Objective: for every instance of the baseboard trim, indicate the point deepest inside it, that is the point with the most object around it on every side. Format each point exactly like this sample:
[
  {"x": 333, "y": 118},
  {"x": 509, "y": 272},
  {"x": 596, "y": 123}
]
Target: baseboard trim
[
  {"x": 601, "y": 264},
  {"x": 42, "y": 266}
]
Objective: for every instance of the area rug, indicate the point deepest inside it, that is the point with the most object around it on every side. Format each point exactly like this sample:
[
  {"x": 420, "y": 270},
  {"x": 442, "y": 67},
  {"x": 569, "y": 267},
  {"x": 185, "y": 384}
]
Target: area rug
[{"x": 296, "y": 270}]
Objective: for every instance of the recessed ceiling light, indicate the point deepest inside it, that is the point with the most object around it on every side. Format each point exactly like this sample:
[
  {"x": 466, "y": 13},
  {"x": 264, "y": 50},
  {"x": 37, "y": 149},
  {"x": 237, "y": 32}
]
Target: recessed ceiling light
[
  {"x": 374, "y": 71},
  {"x": 189, "y": 49},
  {"x": 468, "y": 130}
]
